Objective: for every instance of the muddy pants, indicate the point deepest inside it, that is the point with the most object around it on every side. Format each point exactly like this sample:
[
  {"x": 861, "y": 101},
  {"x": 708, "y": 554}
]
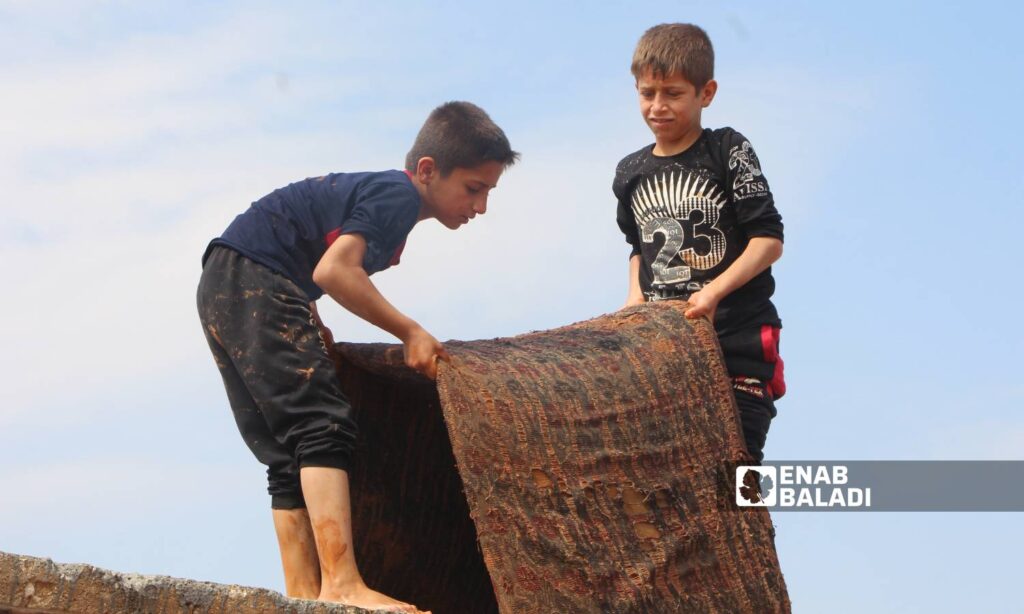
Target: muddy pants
[{"x": 280, "y": 380}]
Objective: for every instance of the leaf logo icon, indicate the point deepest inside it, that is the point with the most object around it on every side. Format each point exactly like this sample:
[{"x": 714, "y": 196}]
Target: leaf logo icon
[
  {"x": 751, "y": 489},
  {"x": 755, "y": 486}
]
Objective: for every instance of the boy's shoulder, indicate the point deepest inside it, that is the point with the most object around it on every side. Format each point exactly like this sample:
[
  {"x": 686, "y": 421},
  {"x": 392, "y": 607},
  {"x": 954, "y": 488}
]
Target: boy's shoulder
[
  {"x": 727, "y": 138},
  {"x": 333, "y": 183},
  {"x": 397, "y": 183},
  {"x": 387, "y": 177},
  {"x": 638, "y": 156},
  {"x": 722, "y": 142},
  {"x": 389, "y": 185},
  {"x": 733, "y": 148}
]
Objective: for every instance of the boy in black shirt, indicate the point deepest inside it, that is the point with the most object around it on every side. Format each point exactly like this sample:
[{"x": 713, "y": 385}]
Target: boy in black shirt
[
  {"x": 256, "y": 301},
  {"x": 701, "y": 221}
]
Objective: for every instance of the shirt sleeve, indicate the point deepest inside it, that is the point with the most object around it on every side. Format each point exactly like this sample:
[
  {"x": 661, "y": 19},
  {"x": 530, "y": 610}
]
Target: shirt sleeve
[
  {"x": 624, "y": 212},
  {"x": 384, "y": 214},
  {"x": 755, "y": 207}
]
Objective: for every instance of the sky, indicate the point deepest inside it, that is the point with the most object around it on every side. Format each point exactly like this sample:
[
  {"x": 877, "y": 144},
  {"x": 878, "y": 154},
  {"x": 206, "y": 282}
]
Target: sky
[{"x": 132, "y": 133}]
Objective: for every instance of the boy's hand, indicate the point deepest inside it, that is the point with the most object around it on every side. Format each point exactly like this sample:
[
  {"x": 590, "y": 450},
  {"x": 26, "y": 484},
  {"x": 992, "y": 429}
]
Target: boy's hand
[
  {"x": 422, "y": 351},
  {"x": 704, "y": 302},
  {"x": 759, "y": 254}
]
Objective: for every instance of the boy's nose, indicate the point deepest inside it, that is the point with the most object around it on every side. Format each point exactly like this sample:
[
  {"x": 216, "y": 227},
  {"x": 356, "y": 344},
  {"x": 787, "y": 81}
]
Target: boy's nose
[{"x": 480, "y": 206}]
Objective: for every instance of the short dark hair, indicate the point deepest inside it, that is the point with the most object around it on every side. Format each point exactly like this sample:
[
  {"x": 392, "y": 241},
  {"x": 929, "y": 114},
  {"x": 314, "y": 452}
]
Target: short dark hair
[
  {"x": 460, "y": 135},
  {"x": 672, "y": 48}
]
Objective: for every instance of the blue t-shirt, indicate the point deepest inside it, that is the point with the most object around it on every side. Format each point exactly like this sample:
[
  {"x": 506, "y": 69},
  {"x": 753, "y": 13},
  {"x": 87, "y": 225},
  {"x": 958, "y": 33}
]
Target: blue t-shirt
[{"x": 289, "y": 229}]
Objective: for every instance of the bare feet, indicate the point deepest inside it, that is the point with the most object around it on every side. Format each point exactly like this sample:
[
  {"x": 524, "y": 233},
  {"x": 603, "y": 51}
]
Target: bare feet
[{"x": 364, "y": 597}]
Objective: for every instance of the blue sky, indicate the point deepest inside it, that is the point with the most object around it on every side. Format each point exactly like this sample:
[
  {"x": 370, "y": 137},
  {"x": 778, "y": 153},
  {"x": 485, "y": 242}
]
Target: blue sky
[{"x": 132, "y": 134}]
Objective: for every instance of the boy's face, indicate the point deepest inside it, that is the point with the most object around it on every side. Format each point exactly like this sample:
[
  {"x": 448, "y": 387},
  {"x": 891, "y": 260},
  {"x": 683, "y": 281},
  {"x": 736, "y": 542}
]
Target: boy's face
[
  {"x": 671, "y": 106},
  {"x": 459, "y": 197}
]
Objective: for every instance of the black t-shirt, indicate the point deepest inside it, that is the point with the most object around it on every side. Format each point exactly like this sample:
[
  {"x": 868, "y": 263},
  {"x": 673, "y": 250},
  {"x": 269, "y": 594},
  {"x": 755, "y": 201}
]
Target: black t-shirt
[
  {"x": 289, "y": 229},
  {"x": 690, "y": 215}
]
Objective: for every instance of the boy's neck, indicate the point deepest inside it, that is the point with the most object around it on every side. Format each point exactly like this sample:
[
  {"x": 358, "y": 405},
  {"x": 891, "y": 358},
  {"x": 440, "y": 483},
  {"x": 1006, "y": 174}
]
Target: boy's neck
[
  {"x": 425, "y": 211},
  {"x": 664, "y": 149}
]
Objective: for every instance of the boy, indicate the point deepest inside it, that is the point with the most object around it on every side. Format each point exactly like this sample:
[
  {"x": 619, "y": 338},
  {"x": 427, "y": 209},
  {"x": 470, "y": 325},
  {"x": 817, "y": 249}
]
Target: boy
[
  {"x": 256, "y": 300},
  {"x": 701, "y": 221}
]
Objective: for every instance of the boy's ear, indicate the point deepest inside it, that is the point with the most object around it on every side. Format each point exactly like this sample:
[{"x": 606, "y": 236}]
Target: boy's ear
[
  {"x": 707, "y": 93},
  {"x": 425, "y": 169}
]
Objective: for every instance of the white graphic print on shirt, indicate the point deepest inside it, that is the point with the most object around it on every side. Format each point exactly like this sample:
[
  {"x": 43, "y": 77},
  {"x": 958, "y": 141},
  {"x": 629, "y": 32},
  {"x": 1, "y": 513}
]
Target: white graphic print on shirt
[
  {"x": 662, "y": 205},
  {"x": 744, "y": 162}
]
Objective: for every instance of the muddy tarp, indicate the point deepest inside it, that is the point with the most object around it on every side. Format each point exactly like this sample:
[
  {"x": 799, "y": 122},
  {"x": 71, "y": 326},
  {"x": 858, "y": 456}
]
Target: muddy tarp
[{"x": 582, "y": 469}]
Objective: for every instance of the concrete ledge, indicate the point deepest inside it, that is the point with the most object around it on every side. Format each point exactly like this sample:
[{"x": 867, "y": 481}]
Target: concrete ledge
[{"x": 40, "y": 586}]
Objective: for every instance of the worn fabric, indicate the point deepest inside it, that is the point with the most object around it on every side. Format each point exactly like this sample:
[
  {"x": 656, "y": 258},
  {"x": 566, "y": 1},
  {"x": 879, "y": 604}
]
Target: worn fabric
[
  {"x": 597, "y": 462},
  {"x": 597, "y": 459},
  {"x": 280, "y": 379},
  {"x": 289, "y": 229}
]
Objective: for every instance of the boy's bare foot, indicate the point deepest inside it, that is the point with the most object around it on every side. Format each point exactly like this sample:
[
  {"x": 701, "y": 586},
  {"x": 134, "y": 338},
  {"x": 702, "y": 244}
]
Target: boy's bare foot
[
  {"x": 330, "y": 515},
  {"x": 364, "y": 597}
]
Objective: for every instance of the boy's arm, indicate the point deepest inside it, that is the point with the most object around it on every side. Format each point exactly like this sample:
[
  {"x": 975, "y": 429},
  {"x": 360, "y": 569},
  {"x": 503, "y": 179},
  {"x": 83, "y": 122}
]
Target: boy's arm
[
  {"x": 627, "y": 224},
  {"x": 635, "y": 295},
  {"x": 756, "y": 216},
  {"x": 759, "y": 254},
  {"x": 341, "y": 275}
]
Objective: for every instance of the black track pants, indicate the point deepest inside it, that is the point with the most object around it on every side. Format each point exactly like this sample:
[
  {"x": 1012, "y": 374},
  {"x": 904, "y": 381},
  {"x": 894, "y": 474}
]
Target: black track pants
[{"x": 280, "y": 380}]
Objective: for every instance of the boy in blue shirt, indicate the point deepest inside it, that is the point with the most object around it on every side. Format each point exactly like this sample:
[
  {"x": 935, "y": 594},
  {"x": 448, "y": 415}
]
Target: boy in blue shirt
[
  {"x": 703, "y": 227},
  {"x": 256, "y": 301}
]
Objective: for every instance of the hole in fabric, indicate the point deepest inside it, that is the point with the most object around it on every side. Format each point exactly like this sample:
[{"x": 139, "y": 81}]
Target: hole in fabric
[
  {"x": 541, "y": 479},
  {"x": 633, "y": 502},
  {"x": 646, "y": 530}
]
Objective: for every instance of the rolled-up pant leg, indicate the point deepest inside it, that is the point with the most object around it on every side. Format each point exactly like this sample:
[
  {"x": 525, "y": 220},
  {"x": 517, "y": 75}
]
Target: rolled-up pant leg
[
  {"x": 756, "y": 413},
  {"x": 281, "y": 381},
  {"x": 753, "y": 361}
]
